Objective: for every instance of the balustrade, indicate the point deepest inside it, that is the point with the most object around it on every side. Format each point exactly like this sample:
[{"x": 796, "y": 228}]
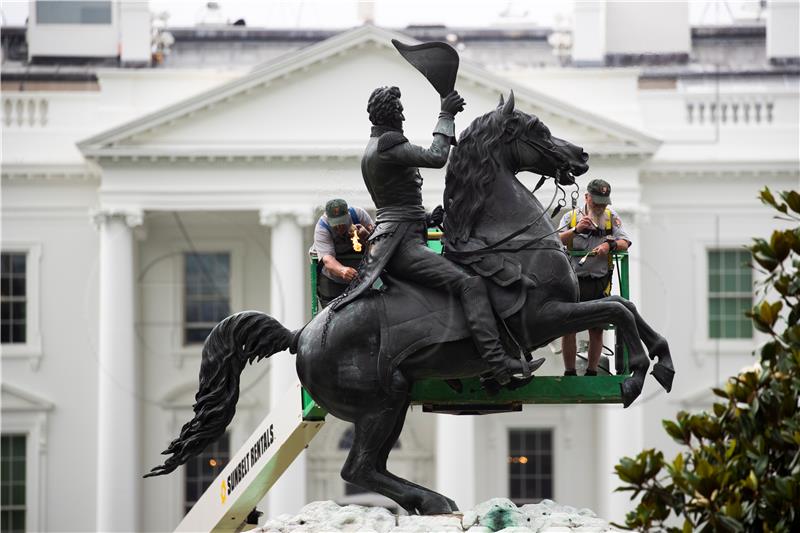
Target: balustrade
[
  {"x": 31, "y": 111},
  {"x": 730, "y": 111}
]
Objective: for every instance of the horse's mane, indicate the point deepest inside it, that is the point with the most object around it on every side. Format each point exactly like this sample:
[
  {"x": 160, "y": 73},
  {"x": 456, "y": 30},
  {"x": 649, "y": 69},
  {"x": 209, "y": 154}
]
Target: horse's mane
[{"x": 471, "y": 171}]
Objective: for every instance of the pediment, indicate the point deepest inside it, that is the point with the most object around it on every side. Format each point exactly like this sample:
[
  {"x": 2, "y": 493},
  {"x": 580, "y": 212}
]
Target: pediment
[
  {"x": 16, "y": 399},
  {"x": 313, "y": 102}
]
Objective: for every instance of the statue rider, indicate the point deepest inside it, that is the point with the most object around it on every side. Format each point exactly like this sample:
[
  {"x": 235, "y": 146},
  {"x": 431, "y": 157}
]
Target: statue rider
[{"x": 398, "y": 244}]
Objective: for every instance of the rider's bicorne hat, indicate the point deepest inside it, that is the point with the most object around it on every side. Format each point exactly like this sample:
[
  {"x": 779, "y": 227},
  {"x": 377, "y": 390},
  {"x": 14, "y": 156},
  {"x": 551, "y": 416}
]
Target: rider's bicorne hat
[{"x": 600, "y": 191}]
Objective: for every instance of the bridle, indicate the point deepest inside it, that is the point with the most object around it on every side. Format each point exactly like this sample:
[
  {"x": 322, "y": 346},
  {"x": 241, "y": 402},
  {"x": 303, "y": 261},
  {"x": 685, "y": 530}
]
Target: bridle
[{"x": 562, "y": 166}]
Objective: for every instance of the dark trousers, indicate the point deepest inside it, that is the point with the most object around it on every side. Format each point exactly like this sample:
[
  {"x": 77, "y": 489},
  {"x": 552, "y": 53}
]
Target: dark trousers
[{"x": 414, "y": 261}]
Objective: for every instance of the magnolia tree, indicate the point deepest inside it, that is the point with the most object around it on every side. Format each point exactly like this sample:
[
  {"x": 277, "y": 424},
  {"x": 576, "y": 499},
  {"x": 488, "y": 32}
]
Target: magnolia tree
[{"x": 739, "y": 469}]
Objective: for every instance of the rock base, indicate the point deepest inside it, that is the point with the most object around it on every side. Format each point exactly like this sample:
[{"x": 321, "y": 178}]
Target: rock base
[{"x": 495, "y": 515}]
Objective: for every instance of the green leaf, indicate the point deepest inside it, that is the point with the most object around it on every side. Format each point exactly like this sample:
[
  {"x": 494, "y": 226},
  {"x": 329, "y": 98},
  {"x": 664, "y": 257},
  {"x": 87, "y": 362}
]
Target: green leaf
[
  {"x": 729, "y": 524},
  {"x": 730, "y": 449},
  {"x": 751, "y": 482},
  {"x": 792, "y": 199},
  {"x": 768, "y": 313},
  {"x": 768, "y": 351},
  {"x": 780, "y": 245},
  {"x": 767, "y": 197},
  {"x": 673, "y": 430}
]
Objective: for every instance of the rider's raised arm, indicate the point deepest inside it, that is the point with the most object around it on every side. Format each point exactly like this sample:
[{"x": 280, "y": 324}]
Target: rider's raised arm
[{"x": 410, "y": 155}]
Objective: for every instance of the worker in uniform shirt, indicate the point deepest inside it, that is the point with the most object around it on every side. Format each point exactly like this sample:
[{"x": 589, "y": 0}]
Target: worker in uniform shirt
[
  {"x": 340, "y": 239},
  {"x": 597, "y": 230}
]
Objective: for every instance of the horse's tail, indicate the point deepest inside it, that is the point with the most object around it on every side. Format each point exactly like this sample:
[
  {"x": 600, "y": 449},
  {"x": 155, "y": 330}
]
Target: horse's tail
[{"x": 246, "y": 336}]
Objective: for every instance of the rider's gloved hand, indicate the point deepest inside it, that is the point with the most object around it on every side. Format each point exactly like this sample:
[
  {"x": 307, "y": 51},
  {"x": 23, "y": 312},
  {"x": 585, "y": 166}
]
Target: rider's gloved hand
[
  {"x": 435, "y": 217},
  {"x": 453, "y": 103}
]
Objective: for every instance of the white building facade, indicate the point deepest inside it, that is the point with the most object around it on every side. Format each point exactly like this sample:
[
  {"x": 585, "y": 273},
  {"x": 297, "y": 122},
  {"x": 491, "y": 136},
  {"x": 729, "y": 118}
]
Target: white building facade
[{"x": 139, "y": 206}]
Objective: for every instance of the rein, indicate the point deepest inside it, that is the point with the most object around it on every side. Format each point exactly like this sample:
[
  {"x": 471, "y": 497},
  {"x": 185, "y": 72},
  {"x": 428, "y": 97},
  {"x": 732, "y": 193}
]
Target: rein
[{"x": 527, "y": 245}]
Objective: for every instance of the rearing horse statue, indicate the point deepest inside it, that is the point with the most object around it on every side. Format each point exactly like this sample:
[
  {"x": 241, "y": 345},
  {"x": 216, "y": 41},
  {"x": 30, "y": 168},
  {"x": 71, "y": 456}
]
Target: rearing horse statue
[{"x": 362, "y": 371}]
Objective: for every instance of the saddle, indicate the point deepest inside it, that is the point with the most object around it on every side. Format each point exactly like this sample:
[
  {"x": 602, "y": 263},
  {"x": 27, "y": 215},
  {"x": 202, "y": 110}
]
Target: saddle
[{"x": 413, "y": 317}]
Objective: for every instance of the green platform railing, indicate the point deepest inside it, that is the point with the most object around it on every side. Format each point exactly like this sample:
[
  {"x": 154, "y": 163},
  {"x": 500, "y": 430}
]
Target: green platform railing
[{"x": 438, "y": 396}]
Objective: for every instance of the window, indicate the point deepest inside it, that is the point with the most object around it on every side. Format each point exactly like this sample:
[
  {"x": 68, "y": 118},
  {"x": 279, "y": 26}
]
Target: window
[
  {"x": 73, "y": 12},
  {"x": 730, "y": 294},
  {"x": 530, "y": 465},
  {"x": 14, "y": 297},
  {"x": 12, "y": 483},
  {"x": 207, "y": 293},
  {"x": 204, "y": 468}
]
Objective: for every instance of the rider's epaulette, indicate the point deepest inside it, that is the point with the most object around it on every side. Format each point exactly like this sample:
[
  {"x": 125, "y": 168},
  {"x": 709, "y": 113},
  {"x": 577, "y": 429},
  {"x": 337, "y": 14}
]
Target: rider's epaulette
[{"x": 390, "y": 139}]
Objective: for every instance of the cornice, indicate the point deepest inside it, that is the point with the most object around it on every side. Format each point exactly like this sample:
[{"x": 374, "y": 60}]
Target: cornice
[
  {"x": 271, "y": 216},
  {"x": 211, "y": 154},
  {"x": 743, "y": 170},
  {"x": 54, "y": 172}
]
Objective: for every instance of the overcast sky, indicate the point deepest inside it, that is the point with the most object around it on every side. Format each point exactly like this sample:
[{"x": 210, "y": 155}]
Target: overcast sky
[{"x": 394, "y": 13}]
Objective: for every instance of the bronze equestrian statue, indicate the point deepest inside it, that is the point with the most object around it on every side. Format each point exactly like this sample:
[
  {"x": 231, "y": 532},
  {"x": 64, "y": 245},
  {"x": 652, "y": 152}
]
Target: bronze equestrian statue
[{"x": 504, "y": 250}]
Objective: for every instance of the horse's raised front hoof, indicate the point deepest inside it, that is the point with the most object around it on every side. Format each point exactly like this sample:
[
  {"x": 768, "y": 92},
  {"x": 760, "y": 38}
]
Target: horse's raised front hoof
[
  {"x": 663, "y": 375},
  {"x": 630, "y": 390}
]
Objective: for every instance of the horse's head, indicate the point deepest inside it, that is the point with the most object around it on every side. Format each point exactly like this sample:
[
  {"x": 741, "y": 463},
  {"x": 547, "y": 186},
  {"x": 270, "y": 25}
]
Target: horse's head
[
  {"x": 503, "y": 141},
  {"x": 532, "y": 148}
]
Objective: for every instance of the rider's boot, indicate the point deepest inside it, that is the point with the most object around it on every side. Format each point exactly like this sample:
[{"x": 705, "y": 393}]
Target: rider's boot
[{"x": 482, "y": 325}]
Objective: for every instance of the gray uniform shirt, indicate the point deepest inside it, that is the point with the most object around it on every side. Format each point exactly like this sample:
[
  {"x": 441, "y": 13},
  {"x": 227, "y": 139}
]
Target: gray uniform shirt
[
  {"x": 594, "y": 266},
  {"x": 326, "y": 244}
]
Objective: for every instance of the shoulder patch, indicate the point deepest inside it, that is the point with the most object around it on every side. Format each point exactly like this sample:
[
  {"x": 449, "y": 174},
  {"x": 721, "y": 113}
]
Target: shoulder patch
[{"x": 390, "y": 139}]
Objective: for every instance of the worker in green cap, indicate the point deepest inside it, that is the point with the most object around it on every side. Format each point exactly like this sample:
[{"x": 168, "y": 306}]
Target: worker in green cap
[
  {"x": 340, "y": 239},
  {"x": 596, "y": 229}
]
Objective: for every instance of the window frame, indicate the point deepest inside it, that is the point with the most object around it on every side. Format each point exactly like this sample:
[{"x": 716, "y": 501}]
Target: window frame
[
  {"x": 185, "y": 323},
  {"x": 185, "y": 469},
  {"x": 31, "y": 349},
  {"x": 722, "y": 296},
  {"x": 26, "y": 414},
  {"x": 552, "y": 433},
  {"x": 236, "y": 249},
  {"x": 24, "y": 506},
  {"x": 703, "y": 342},
  {"x": 111, "y": 16}
]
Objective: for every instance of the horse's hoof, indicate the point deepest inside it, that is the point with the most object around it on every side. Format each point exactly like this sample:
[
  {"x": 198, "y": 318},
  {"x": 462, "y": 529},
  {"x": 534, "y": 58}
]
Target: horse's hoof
[
  {"x": 432, "y": 506},
  {"x": 453, "y": 506},
  {"x": 629, "y": 391},
  {"x": 663, "y": 375}
]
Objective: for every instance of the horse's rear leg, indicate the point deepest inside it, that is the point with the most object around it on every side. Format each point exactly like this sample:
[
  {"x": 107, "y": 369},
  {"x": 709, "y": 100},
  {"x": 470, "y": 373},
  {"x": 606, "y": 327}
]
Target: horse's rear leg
[
  {"x": 366, "y": 463},
  {"x": 657, "y": 346},
  {"x": 389, "y": 445}
]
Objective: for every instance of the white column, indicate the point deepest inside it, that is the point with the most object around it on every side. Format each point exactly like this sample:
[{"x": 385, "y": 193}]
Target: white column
[
  {"x": 287, "y": 304},
  {"x": 619, "y": 435},
  {"x": 118, "y": 409},
  {"x": 455, "y": 459}
]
